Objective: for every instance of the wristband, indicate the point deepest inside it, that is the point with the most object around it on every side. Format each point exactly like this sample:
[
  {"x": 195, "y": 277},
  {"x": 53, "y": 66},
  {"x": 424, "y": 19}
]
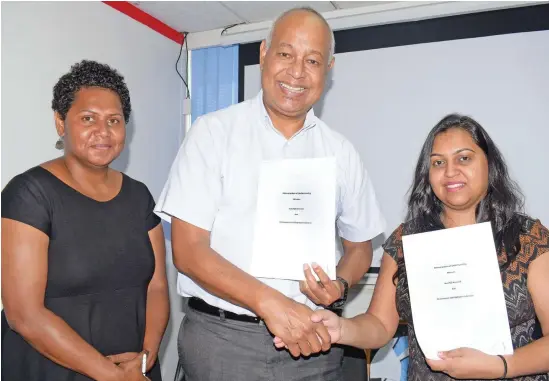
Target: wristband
[{"x": 504, "y": 366}]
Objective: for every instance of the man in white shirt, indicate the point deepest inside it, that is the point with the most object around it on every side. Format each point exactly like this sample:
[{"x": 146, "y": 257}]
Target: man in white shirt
[{"x": 211, "y": 196}]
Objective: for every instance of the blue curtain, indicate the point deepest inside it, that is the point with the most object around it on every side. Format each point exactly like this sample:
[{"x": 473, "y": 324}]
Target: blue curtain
[
  {"x": 214, "y": 82},
  {"x": 214, "y": 85}
]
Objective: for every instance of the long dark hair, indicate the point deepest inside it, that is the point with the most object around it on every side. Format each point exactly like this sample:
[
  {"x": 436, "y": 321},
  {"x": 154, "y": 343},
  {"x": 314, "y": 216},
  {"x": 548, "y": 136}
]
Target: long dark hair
[{"x": 502, "y": 206}]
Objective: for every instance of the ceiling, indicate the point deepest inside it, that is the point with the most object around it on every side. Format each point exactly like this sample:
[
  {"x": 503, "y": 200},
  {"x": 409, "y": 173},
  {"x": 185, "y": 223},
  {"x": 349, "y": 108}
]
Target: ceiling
[{"x": 200, "y": 16}]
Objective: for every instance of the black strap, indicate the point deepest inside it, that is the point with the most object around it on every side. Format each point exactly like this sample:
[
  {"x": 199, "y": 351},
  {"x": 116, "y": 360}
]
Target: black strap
[
  {"x": 201, "y": 306},
  {"x": 504, "y": 366}
]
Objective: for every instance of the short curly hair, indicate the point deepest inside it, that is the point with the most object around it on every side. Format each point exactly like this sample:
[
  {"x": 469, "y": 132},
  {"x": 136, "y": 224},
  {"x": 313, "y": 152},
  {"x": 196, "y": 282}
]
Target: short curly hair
[{"x": 89, "y": 74}]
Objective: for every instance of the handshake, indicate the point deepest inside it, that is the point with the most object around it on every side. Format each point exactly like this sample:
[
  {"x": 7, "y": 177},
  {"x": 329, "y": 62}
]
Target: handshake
[
  {"x": 305, "y": 338},
  {"x": 298, "y": 328}
]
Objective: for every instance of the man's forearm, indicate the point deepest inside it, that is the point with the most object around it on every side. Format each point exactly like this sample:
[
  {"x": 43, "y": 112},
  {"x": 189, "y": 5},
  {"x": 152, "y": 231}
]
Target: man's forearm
[
  {"x": 221, "y": 278},
  {"x": 355, "y": 262}
]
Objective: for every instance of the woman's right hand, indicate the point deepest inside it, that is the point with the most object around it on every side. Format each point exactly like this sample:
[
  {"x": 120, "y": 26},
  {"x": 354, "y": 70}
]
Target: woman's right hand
[{"x": 331, "y": 321}]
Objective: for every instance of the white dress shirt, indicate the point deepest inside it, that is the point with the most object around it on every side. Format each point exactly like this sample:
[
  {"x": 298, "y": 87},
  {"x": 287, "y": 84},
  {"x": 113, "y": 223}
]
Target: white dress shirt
[{"x": 213, "y": 185}]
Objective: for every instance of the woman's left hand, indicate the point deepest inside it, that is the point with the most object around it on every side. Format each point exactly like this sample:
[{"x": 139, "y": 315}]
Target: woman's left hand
[{"x": 468, "y": 363}]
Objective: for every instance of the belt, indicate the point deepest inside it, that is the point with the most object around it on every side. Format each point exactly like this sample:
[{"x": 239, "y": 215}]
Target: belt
[{"x": 201, "y": 306}]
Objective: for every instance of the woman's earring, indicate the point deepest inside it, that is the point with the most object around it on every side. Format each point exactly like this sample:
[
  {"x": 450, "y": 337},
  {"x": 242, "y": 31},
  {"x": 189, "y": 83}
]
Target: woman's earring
[{"x": 60, "y": 144}]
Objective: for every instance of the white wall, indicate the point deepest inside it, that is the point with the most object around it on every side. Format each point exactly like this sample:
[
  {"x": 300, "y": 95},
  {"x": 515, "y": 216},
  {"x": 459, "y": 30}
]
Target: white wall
[{"x": 40, "y": 41}]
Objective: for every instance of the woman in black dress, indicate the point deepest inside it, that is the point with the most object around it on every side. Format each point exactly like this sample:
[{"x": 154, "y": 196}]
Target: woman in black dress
[{"x": 83, "y": 260}]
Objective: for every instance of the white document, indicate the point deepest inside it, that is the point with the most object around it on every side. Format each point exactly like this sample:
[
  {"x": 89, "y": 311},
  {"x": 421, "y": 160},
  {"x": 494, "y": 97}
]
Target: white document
[
  {"x": 456, "y": 291},
  {"x": 295, "y": 218}
]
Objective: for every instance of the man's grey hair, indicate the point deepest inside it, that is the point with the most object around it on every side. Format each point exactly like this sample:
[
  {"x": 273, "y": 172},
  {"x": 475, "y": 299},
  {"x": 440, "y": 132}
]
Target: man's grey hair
[{"x": 304, "y": 9}]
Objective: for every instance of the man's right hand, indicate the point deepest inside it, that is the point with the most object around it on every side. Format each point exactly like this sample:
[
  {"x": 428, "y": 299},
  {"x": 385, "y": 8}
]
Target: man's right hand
[
  {"x": 332, "y": 322},
  {"x": 291, "y": 321}
]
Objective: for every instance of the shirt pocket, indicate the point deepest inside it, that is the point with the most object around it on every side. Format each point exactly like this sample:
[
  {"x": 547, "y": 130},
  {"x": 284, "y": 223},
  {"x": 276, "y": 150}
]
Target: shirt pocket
[{"x": 240, "y": 182}]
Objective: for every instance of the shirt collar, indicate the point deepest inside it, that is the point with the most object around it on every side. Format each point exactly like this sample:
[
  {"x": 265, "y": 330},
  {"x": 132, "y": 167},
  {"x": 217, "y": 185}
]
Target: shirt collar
[{"x": 310, "y": 119}]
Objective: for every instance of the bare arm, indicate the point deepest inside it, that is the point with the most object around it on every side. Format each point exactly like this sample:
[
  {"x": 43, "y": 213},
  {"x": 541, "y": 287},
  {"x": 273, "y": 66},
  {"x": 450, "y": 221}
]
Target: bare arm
[
  {"x": 534, "y": 357},
  {"x": 158, "y": 302},
  {"x": 376, "y": 327},
  {"x": 25, "y": 251}
]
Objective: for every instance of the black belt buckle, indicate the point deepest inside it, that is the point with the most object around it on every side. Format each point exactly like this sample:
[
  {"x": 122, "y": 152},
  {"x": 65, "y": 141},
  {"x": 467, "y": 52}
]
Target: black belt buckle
[{"x": 201, "y": 306}]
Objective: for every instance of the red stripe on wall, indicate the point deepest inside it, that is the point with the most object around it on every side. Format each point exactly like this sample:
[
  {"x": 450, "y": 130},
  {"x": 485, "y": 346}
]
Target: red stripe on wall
[{"x": 146, "y": 19}]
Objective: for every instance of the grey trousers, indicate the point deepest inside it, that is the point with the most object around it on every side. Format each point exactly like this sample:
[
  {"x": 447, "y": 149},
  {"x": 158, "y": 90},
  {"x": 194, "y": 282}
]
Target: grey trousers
[{"x": 215, "y": 349}]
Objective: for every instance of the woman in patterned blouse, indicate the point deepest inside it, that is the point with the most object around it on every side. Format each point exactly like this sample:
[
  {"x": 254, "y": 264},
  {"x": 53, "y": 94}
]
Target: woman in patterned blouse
[{"x": 461, "y": 179}]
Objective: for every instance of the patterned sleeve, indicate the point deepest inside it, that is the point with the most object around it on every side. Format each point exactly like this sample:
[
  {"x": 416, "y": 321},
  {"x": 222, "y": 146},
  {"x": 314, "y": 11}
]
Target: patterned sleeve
[
  {"x": 393, "y": 244},
  {"x": 536, "y": 241}
]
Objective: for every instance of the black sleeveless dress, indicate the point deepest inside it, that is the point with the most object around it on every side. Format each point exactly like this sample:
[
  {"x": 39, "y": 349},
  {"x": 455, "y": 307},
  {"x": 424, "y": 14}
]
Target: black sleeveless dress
[{"x": 100, "y": 262}]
